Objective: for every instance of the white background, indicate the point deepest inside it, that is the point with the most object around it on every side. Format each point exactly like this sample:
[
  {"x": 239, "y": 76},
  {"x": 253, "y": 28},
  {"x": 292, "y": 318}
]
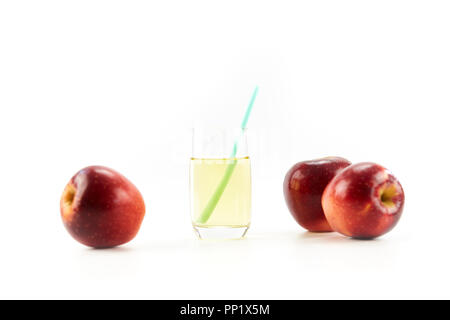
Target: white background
[{"x": 119, "y": 83}]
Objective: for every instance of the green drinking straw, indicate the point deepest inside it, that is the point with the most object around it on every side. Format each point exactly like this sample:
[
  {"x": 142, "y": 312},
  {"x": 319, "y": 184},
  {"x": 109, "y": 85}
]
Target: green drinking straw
[{"x": 212, "y": 203}]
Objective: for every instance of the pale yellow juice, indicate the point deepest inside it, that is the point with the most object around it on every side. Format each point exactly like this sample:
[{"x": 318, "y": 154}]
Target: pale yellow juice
[{"x": 234, "y": 206}]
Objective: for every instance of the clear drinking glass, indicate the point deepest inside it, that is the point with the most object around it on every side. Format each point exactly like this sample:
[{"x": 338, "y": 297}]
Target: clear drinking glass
[{"x": 220, "y": 183}]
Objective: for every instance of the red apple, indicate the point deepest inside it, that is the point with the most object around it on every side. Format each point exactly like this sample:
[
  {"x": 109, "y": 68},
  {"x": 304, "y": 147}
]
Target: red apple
[
  {"x": 303, "y": 187},
  {"x": 100, "y": 208},
  {"x": 363, "y": 201}
]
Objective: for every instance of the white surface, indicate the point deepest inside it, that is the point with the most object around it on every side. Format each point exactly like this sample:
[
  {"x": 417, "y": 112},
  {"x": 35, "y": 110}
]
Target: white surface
[{"x": 119, "y": 83}]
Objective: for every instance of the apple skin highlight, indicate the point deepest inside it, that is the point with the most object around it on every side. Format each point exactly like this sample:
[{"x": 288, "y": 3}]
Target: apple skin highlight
[
  {"x": 363, "y": 201},
  {"x": 303, "y": 187},
  {"x": 101, "y": 208}
]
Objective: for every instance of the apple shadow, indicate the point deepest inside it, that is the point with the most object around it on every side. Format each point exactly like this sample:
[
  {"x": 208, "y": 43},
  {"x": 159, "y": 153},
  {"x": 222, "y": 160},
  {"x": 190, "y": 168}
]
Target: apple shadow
[
  {"x": 332, "y": 237},
  {"x": 185, "y": 244},
  {"x": 115, "y": 250}
]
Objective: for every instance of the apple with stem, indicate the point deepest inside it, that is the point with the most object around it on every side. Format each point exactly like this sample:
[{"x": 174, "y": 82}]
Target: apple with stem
[
  {"x": 363, "y": 201},
  {"x": 101, "y": 208}
]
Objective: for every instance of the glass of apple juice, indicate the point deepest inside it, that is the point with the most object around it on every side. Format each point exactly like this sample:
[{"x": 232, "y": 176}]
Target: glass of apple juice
[{"x": 220, "y": 183}]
